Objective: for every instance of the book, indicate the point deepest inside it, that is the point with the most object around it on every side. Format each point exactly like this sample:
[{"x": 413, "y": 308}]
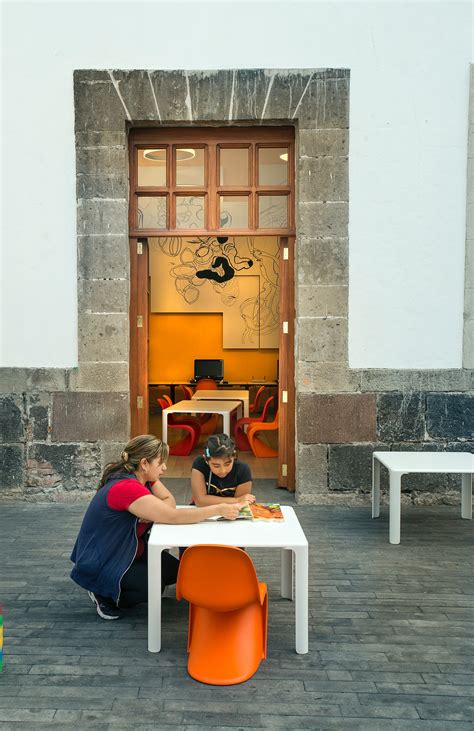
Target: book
[{"x": 259, "y": 511}]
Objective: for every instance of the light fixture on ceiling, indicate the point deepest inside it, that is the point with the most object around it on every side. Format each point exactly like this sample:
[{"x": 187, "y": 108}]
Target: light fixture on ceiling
[
  {"x": 284, "y": 156},
  {"x": 159, "y": 155}
]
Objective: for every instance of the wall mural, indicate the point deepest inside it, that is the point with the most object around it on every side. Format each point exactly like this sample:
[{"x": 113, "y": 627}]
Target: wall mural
[{"x": 236, "y": 275}]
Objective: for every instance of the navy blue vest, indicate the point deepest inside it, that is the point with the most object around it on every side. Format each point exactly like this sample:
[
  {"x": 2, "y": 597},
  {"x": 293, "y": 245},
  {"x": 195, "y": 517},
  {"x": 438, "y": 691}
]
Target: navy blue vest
[{"x": 106, "y": 544}]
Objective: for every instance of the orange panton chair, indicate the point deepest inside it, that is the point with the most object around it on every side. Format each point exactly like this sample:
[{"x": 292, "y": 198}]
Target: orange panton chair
[
  {"x": 253, "y": 408},
  {"x": 190, "y": 426},
  {"x": 228, "y": 610},
  {"x": 240, "y": 437},
  {"x": 258, "y": 447}
]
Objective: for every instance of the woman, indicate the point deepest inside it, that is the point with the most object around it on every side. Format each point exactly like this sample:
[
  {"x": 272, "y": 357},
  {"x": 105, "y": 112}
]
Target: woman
[{"x": 110, "y": 554}]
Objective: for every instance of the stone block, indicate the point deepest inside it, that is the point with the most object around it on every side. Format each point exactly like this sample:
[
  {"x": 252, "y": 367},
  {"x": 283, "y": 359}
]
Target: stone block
[
  {"x": 322, "y": 301},
  {"x": 12, "y": 419},
  {"x": 110, "y": 452},
  {"x": 54, "y": 468},
  {"x": 450, "y": 416},
  {"x": 171, "y": 92},
  {"x": 48, "y": 379},
  {"x": 322, "y": 262},
  {"x": 101, "y": 186},
  {"x": 102, "y": 217},
  {"x": 103, "y": 257},
  {"x": 311, "y": 471},
  {"x": 90, "y": 417},
  {"x": 12, "y": 468},
  {"x": 103, "y": 295},
  {"x": 250, "y": 91},
  {"x": 468, "y": 344},
  {"x": 386, "y": 379},
  {"x": 210, "y": 94},
  {"x": 323, "y": 179},
  {"x": 102, "y": 138},
  {"x": 320, "y": 142},
  {"x": 318, "y": 219},
  {"x": 38, "y": 416},
  {"x": 103, "y": 338},
  {"x": 13, "y": 380},
  {"x": 323, "y": 340},
  {"x": 284, "y": 95},
  {"x": 135, "y": 88},
  {"x": 350, "y": 467},
  {"x": 100, "y": 377},
  {"x": 326, "y": 102},
  {"x": 326, "y": 378},
  {"x": 101, "y": 160},
  {"x": 400, "y": 416},
  {"x": 336, "y": 419},
  {"x": 97, "y": 104}
]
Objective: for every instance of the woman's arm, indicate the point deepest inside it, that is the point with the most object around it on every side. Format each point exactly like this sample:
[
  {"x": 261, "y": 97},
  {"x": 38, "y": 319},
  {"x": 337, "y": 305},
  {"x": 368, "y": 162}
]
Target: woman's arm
[
  {"x": 244, "y": 492},
  {"x": 159, "y": 490},
  {"x": 200, "y": 496},
  {"x": 152, "y": 509}
]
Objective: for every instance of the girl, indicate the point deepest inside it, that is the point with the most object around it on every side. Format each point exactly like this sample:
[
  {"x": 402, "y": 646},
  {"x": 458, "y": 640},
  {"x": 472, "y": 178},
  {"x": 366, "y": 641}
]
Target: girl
[
  {"x": 218, "y": 476},
  {"x": 110, "y": 554}
]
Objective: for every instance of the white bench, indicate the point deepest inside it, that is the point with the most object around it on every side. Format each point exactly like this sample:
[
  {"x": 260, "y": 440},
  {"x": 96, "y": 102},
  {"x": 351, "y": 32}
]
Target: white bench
[{"x": 404, "y": 463}]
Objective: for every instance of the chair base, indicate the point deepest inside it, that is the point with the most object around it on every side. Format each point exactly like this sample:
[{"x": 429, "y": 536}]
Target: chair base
[{"x": 260, "y": 449}]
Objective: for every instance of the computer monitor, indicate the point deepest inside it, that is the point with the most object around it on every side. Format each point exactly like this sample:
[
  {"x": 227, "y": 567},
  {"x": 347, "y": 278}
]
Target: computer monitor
[{"x": 209, "y": 369}]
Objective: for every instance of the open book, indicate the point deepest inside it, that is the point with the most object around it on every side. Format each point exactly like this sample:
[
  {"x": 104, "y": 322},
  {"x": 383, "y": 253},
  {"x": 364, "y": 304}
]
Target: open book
[{"x": 261, "y": 511}]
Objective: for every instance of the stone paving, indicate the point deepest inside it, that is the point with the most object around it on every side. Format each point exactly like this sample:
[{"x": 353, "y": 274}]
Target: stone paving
[{"x": 391, "y": 633}]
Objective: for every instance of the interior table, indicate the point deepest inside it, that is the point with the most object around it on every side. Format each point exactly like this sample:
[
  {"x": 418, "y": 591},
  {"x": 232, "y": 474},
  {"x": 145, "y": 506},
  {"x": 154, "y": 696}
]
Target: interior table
[
  {"x": 188, "y": 406},
  {"x": 224, "y": 395},
  {"x": 404, "y": 463},
  {"x": 286, "y": 535}
]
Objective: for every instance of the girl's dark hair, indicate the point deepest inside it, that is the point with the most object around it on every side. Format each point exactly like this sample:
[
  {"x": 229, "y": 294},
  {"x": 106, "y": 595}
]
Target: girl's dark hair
[
  {"x": 145, "y": 446},
  {"x": 219, "y": 445}
]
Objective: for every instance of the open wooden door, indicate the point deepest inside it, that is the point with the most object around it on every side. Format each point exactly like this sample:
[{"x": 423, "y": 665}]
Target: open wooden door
[
  {"x": 138, "y": 370},
  {"x": 286, "y": 385}
]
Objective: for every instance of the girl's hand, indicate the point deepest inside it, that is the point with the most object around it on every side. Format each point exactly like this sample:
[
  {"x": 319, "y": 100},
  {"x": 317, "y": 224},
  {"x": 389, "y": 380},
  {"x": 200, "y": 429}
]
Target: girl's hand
[
  {"x": 230, "y": 511},
  {"x": 249, "y": 498}
]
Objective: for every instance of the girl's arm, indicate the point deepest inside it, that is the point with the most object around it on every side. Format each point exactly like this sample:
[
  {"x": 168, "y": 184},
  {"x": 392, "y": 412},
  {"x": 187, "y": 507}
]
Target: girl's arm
[
  {"x": 159, "y": 490},
  {"x": 152, "y": 509},
  {"x": 200, "y": 496},
  {"x": 244, "y": 492}
]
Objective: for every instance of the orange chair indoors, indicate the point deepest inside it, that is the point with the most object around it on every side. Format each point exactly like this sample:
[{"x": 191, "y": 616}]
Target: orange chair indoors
[
  {"x": 187, "y": 424},
  {"x": 253, "y": 408},
  {"x": 258, "y": 447},
  {"x": 240, "y": 436},
  {"x": 208, "y": 421},
  {"x": 228, "y": 612}
]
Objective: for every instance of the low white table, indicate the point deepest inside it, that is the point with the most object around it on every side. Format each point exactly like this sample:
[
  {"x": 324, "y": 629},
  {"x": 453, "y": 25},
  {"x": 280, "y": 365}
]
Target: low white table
[
  {"x": 188, "y": 406},
  {"x": 404, "y": 463},
  {"x": 287, "y": 535},
  {"x": 224, "y": 395}
]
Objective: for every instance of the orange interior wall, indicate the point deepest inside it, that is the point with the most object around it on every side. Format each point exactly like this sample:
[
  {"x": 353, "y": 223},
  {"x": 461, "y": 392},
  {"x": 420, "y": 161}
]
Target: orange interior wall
[{"x": 177, "y": 339}]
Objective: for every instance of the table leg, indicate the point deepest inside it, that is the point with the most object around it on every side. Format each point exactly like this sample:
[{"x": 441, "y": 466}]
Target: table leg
[
  {"x": 226, "y": 423},
  {"x": 154, "y": 598},
  {"x": 395, "y": 507},
  {"x": 301, "y": 599},
  {"x": 466, "y": 496},
  {"x": 246, "y": 409},
  {"x": 375, "y": 487},
  {"x": 286, "y": 577},
  {"x": 164, "y": 432}
]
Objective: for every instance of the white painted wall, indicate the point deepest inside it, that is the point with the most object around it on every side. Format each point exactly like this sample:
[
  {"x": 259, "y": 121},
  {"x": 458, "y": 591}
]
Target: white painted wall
[{"x": 409, "y": 100}]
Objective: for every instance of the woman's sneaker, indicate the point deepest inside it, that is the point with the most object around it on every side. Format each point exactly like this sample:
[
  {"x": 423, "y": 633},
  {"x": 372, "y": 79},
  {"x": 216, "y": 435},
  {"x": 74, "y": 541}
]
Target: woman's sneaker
[{"x": 105, "y": 609}]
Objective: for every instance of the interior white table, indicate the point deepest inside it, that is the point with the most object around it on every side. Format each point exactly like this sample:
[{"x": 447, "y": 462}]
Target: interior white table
[
  {"x": 287, "y": 535},
  {"x": 188, "y": 406},
  {"x": 403, "y": 463},
  {"x": 224, "y": 395}
]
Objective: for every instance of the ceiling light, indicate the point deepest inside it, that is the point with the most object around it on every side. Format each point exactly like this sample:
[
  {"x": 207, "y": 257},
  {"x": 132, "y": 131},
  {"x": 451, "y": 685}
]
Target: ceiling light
[
  {"x": 284, "y": 156},
  {"x": 159, "y": 155}
]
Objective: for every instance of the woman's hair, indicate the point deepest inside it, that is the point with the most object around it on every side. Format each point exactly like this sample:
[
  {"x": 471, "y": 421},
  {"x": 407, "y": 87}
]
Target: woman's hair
[
  {"x": 219, "y": 445},
  {"x": 145, "y": 446}
]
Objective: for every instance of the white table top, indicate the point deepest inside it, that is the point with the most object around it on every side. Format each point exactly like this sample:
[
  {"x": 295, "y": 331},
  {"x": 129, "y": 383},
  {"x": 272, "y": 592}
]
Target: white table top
[
  {"x": 204, "y": 407},
  {"x": 285, "y": 534},
  {"x": 222, "y": 393},
  {"x": 427, "y": 461}
]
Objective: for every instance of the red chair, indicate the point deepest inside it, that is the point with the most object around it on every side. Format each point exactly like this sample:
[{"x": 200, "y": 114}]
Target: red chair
[
  {"x": 259, "y": 448},
  {"x": 206, "y": 384},
  {"x": 228, "y": 614},
  {"x": 240, "y": 437},
  {"x": 187, "y": 392},
  {"x": 208, "y": 421},
  {"x": 187, "y": 424},
  {"x": 253, "y": 408}
]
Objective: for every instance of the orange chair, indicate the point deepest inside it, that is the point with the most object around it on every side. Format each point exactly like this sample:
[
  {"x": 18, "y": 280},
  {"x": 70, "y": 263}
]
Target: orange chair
[
  {"x": 187, "y": 424},
  {"x": 228, "y": 614},
  {"x": 187, "y": 392},
  {"x": 259, "y": 448},
  {"x": 206, "y": 384},
  {"x": 208, "y": 421},
  {"x": 240, "y": 436},
  {"x": 253, "y": 408}
]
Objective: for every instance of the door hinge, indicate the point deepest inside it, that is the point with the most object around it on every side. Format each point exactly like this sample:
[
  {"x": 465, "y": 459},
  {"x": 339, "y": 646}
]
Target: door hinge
[
  {"x": 139, "y": 320},
  {"x": 139, "y": 247},
  {"x": 139, "y": 402},
  {"x": 284, "y": 470},
  {"x": 285, "y": 252},
  {"x": 284, "y": 397},
  {"x": 285, "y": 327}
]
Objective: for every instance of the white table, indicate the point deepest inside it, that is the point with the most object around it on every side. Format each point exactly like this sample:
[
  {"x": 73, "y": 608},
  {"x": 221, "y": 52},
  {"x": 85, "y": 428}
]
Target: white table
[
  {"x": 287, "y": 535},
  {"x": 224, "y": 408},
  {"x": 224, "y": 395},
  {"x": 404, "y": 463}
]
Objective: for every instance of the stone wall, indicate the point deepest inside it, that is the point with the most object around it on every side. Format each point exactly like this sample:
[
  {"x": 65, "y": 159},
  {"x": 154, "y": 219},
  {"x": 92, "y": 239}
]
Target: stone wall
[{"x": 61, "y": 426}]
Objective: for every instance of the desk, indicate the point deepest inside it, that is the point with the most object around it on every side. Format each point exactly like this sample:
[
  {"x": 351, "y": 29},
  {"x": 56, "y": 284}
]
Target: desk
[
  {"x": 404, "y": 463},
  {"x": 223, "y": 408},
  {"x": 224, "y": 395},
  {"x": 288, "y": 536}
]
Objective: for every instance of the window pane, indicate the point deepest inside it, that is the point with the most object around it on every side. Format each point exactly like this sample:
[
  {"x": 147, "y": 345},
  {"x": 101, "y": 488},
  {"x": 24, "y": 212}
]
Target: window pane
[
  {"x": 273, "y": 166},
  {"x": 234, "y": 166},
  {"x": 151, "y": 212},
  {"x": 234, "y": 211},
  {"x": 190, "y": 211},
  {"x": 190, "y": 166},
  {"x": 151, "y": 167},
  {"x": 273, "y": 211}
]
